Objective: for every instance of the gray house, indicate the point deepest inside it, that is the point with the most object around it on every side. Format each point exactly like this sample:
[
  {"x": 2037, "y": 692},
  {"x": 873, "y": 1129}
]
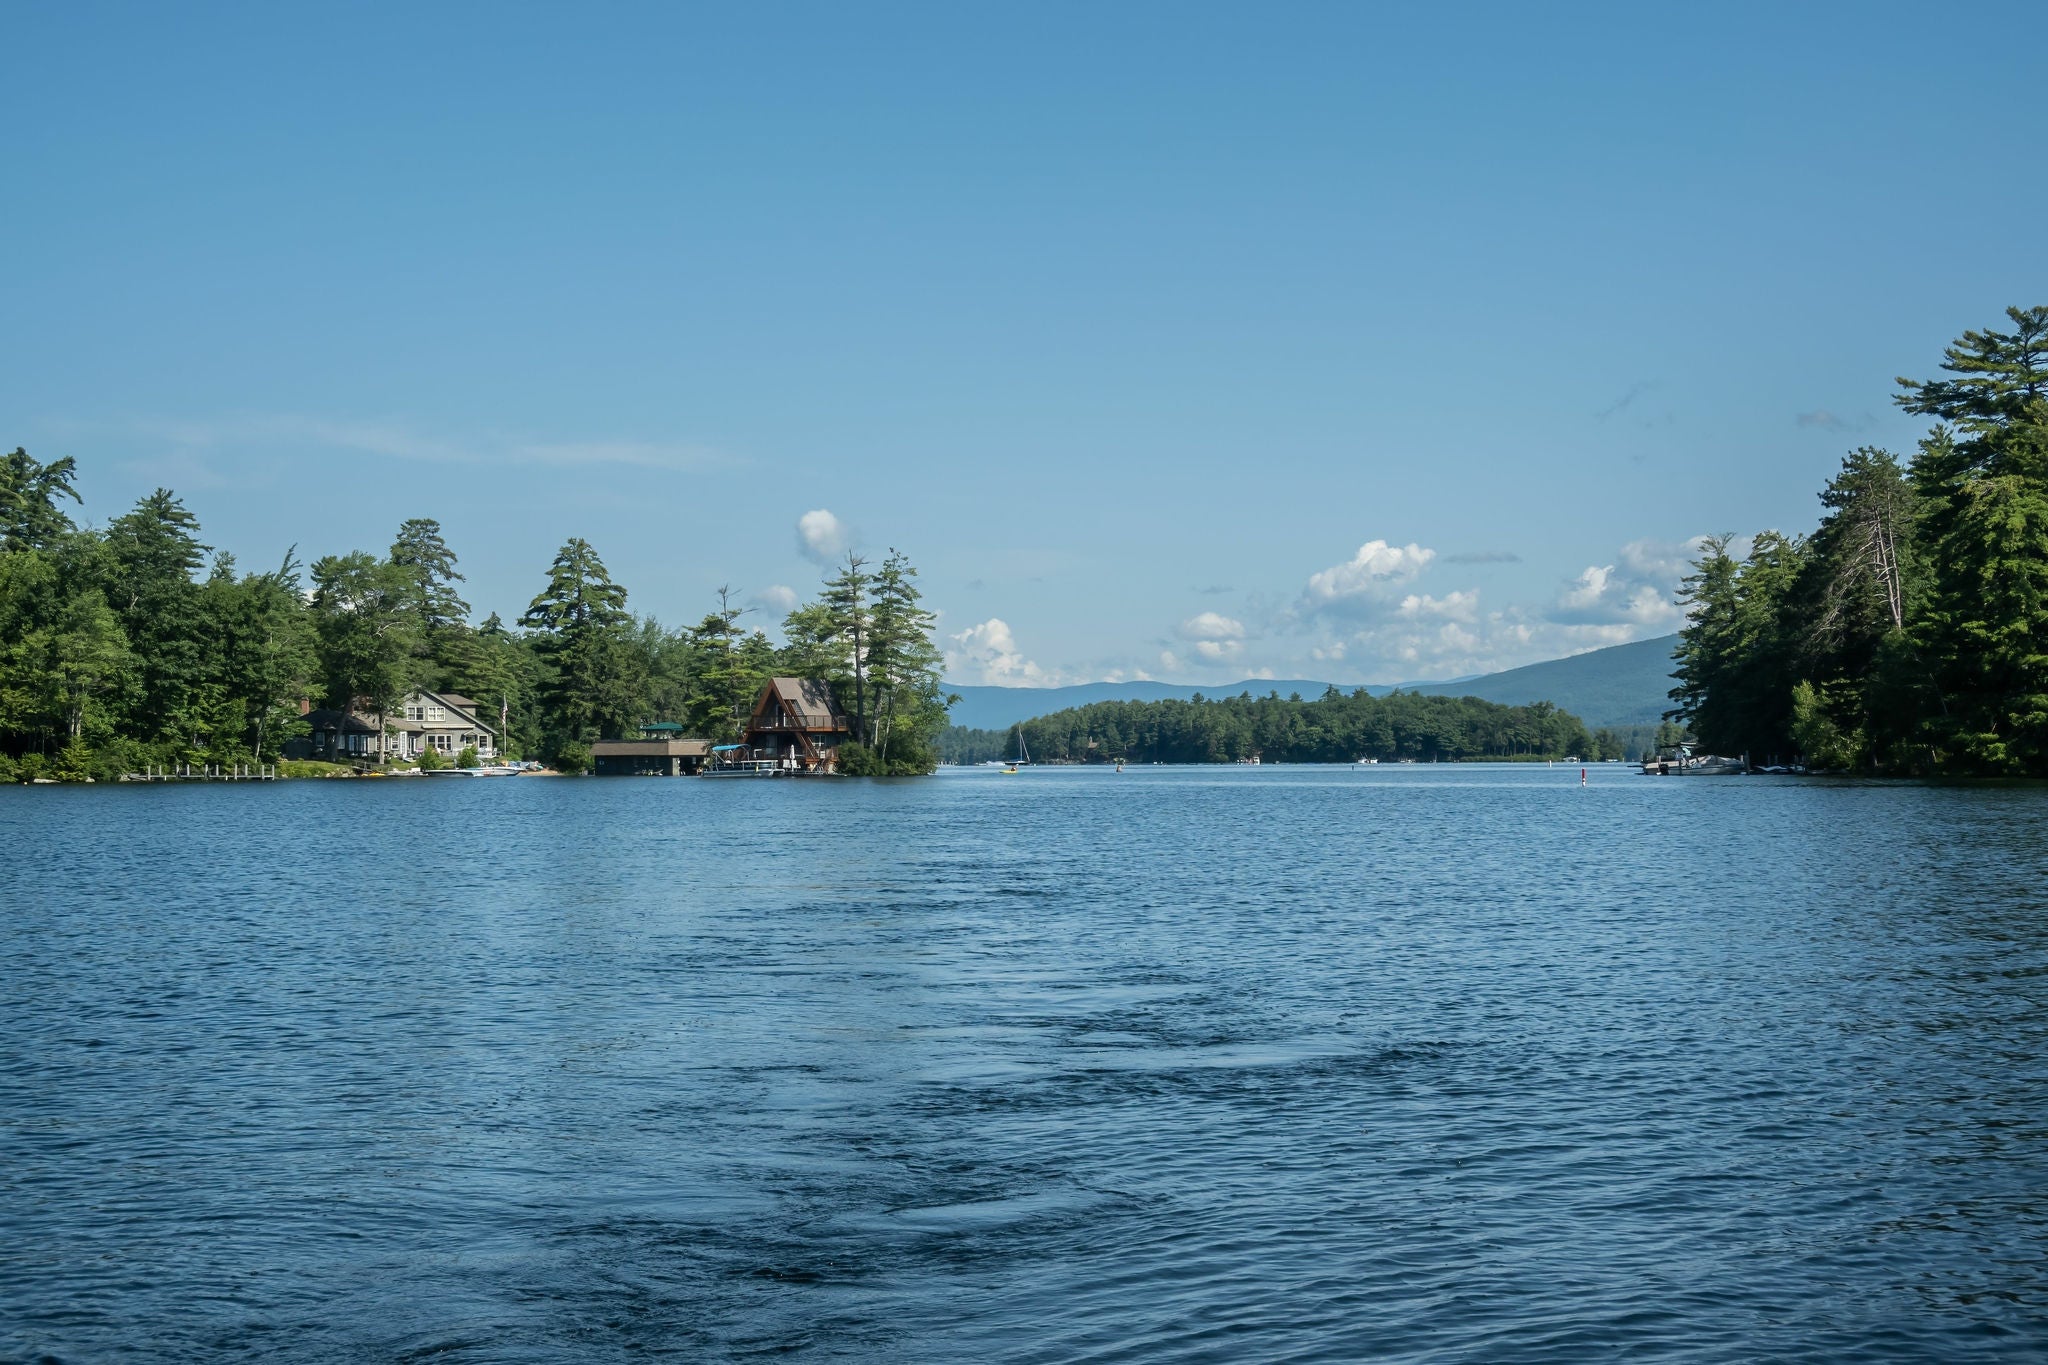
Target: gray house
[{"x": 422, "y": 720}]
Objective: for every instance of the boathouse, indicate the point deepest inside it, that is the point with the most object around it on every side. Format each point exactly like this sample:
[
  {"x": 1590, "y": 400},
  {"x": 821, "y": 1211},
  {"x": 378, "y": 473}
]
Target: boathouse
[
  {"x": 797, "y": 722},
  {"x": 661, "y": 750}
]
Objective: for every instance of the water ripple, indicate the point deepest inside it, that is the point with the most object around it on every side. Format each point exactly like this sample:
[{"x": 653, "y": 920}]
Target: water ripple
[{"x": 1179, "y": 1065}]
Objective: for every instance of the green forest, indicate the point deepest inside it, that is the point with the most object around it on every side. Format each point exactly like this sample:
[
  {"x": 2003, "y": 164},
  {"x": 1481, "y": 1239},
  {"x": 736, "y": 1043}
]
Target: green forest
[
  {"x": 1909, "y": 633},
  {"x": 1337, "y": 727},
  {"x": 137, "y": 644}
]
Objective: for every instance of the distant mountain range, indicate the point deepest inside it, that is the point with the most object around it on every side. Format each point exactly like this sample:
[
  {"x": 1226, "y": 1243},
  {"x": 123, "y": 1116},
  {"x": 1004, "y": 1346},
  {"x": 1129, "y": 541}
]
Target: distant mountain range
[{"x": 1620, "y": 685}]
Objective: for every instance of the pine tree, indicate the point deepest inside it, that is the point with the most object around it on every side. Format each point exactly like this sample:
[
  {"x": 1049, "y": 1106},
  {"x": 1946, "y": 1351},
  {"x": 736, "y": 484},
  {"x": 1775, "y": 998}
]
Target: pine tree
[
  {"x": 1864, "y": 581},
  {"x": 577, "y": 619},
  {"x": 29, "y": 516},
  {"x": 1982, "y": 477},
  {"x": 847, "y": 600},
  {"x": 429, "y": 568},
  {"x": 265, "y": 654},
  {"x": 1737, "y": 657},
  {"x": 154, "y": 551},
  {"x": 903, "y": 665},
  {"x": 727, "y": 678}
]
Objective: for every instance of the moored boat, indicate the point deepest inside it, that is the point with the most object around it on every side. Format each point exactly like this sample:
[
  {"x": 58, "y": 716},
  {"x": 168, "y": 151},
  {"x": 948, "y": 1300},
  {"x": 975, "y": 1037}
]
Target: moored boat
[{"x": 748, "y": 767}]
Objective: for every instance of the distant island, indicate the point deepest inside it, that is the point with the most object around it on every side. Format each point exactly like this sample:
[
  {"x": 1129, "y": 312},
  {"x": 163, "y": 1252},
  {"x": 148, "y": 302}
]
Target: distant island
[
  {"x": 1621, "y": 686},
  {"x": 1618, "y": 694},
  {"x": 1336, "y": 727}
]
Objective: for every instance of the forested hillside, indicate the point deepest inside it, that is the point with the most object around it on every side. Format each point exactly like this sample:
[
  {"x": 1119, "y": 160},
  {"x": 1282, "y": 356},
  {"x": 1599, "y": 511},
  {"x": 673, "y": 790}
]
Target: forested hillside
[
  {"x": 140, "y": 644},
  {"x": 1909, "y": 632},
  {"x": 1621, "y": 685},
  {"x": 1624, "y": 686},
  {"x": 1337, "y": 727}
]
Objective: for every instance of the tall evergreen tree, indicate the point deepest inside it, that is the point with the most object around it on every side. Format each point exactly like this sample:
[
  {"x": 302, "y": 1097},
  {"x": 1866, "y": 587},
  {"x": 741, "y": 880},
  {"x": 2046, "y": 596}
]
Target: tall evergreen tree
[
  {"x": 1738, "y": 656},
  {"x": 428, "y": 565},
  {"x": 497, "y": 669},
  {"x": 727, "y": 680},
  {"x": 903, "y": 666},
  {"x": 1982, "y": 476},
  {"x": 265, "y": 655},
  {"x": 577, "y": 620},
  {"x": 1864, "y": 581},
  {"x": 848, "y": 604},
  {"x": 30, "y": 518},
  {"x": 154, "y": 551}
]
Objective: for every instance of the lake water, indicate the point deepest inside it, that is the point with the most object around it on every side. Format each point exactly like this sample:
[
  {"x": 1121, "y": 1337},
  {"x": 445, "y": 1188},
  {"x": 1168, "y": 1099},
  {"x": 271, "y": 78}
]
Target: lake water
[{"x": 1432, "y": 1063}]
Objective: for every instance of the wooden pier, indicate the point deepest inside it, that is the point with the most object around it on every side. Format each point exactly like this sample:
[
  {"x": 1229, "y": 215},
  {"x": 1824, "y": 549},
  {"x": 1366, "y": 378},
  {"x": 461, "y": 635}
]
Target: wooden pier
[{"x": 185, "y": 772}]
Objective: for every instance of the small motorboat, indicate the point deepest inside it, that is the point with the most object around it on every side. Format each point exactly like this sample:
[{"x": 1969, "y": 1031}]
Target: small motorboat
[{"x": 1685, "y": 763}]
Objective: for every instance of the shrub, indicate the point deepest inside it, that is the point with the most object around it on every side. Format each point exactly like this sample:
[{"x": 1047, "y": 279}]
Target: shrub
[
  {"x": 907, "y": 758},
  {"x": 858, "y": 760},
  {"x": 8, "y": 772},
  {"x": 74, "y": 763},
  {"x": 311, "y": 767},
  {"x": 29, "y": 767},
  {"x": 467, "y": 758},
  {"x": 112, "y": 758},
  {"x": 1819, "y": 738},
  {"x": 572, "y": 758},
  {"x": 432, "y": 760}
]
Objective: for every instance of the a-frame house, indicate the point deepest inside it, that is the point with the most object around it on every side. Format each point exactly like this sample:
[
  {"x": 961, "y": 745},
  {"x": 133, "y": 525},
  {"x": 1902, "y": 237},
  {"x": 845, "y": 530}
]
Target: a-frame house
[{"x": 797, "y": 722}]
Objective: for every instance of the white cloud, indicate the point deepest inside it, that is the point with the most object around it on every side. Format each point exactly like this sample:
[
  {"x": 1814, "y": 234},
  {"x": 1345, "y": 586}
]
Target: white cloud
[
  {"x": 820, "y": 536},
  {"x": 1370, "y": 617},
  {"x": 1366, "y": 577},
  {"x": 1664, "y": 560},
  {"x": 777, "y": 598},
  {"x": 1588, "y": 588},
  {"x": 1210, "y": 625},
  {"x": 1215, "y": 651},
  {"x": 988, "y": 653},
  {"x": 1637, "y": 591},
  {"x": 1455, "y": 606}
]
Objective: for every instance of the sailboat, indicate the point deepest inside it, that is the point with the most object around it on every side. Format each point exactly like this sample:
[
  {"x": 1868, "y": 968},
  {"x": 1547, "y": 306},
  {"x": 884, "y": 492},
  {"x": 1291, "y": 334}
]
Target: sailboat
[{"x": 1023, "y": 758}]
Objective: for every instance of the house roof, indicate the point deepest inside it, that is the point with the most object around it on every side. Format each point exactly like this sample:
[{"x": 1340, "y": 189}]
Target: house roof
[
  {"x": 465, "y": 714},
  {"x": 650, "y": 748},
  {"x": 809, "y": 701},
  {"x": 327, "y": 718},
  {"x": 662, "y": 727}
]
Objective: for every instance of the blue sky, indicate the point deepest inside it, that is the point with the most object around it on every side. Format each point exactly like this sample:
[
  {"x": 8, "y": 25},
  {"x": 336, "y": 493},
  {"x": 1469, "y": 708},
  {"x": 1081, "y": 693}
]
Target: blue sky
[{"x": 1179, "y": 341}]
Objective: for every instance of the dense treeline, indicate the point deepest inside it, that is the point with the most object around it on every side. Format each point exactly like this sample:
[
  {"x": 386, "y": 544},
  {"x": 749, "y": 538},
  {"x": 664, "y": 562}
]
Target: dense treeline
[
  {"x": 1909, "y": 632},
  {"x": 1335, "y": 728},
  {"x": 138, "y": 644}
]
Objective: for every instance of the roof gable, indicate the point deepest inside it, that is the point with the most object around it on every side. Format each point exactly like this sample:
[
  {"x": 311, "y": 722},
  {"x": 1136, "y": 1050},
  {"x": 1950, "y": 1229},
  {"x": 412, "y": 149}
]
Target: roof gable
[
  {"x": 797, "y": 704},
  {"x": 463, "y": 707},
  {"x": 807, "y": 701}
]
